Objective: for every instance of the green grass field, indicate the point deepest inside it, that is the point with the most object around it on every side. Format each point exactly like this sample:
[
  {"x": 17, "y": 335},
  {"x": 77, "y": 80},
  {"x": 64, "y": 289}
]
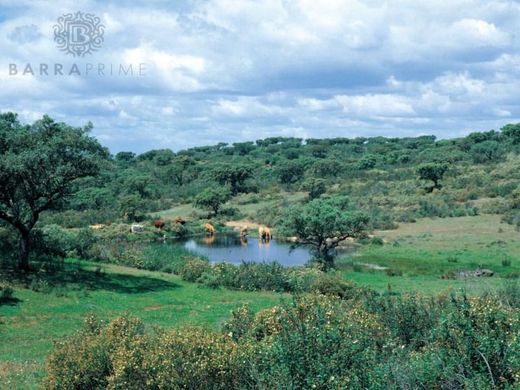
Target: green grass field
[
  {"x": 419, "y": 253},
  {"x": 426, "y": 250},
  {"x": 29, "y": 326}
]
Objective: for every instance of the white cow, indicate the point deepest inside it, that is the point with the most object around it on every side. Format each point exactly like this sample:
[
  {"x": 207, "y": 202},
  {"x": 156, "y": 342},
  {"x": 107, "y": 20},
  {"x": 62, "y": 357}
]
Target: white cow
[{"x": 136, "y": 229}]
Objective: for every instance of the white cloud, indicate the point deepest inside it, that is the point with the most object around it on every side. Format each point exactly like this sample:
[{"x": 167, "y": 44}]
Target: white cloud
[
  {"x": 244, "y": 107},
  {"x": 479, "y": 32},
  {"x": 236, "y": 70}
]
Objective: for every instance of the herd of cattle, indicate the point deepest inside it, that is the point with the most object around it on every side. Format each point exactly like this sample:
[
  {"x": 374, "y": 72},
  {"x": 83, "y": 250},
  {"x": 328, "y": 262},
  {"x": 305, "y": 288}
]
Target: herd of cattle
[{"x": 263, "y": 231}]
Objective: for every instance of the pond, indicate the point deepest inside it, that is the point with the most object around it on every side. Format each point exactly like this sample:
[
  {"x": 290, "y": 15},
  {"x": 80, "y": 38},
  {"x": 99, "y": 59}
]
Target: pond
[{"x": 232, "y": 249}]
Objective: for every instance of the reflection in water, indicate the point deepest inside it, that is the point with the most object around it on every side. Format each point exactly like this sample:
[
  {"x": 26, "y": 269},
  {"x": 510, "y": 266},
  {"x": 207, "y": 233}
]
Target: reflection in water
[
  {"x": 263, "y": 243},
  {"x": 209, "y": 240},
  {"x": 236, "y": 249}
]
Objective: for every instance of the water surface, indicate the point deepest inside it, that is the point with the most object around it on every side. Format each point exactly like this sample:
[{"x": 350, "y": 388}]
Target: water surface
[{"x": 232, "y": 249}]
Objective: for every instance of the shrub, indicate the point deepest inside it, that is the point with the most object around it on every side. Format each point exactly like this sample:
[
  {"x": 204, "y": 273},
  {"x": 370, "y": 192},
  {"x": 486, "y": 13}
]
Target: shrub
[
  {"x": 51, "y": 240},
  {"x": 312, "y": 341},
  {"x": 240, "y": 323},
  {"x": 393, "y": 272},
  {"x": 453, "y": 259},
  {"x": 6, "y": 293},
  {"x": 83, "y": 242},
  {"x": 334, "y": 285},
  {"x": 121, "y": 355},
  {"x": 40, "y": 285},
  {"x": 377, "y": 241},
  {"x": 193, "y": 270}
]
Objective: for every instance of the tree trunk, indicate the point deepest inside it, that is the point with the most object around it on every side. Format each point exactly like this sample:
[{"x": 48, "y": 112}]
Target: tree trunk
[{"x": 23, "y": 252}]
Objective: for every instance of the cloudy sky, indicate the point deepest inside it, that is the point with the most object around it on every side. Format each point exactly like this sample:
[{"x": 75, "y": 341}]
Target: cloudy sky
[{"x": 235, "y": 70}]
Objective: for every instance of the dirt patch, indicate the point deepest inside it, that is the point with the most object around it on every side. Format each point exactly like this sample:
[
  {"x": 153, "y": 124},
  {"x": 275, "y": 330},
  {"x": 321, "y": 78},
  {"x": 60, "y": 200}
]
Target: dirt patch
[
  {"x": 373, "y": 266},
  {"x": 154, "y": 307},
  {"x": 13, "y": 368},
  {"x": 242, "y": 223}
]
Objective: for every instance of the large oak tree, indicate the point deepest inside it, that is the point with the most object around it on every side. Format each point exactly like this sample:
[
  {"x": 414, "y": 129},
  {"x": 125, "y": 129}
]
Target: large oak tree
[
  {"x": 323, "y": 224},
  {"x": 39, "y": 164}
]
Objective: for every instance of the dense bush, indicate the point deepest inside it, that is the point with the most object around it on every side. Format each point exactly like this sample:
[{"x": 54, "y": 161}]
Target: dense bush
[
  {"x": 194, "y": 269},
  {"x": 364, "y": 341},
  {"x": 6, "y": 293}
]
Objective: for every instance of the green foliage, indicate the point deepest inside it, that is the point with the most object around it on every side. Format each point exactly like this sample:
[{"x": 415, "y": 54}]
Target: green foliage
[
  {"x": 39, "y": 164},
  {"x": 194, "y": 269},
  {"x": 290, "y": 172},
  {"x": 315, "y": 187},
  {"x": 121, "y": 356},
  {"x": 248, "y": 276},
  {"x": 6, "y": 293},
  {"x": 132, "y": 208},
  {"x": 213, "y": 198},
  {"x": 363, "y": 341},
  {"x": 512, "y": 132},
  {"x": 434, "y": 172},
  {"x": 367, "y": 162},
  {"x": 84, "y": 241},
  {"x": 233, "y": 175},
  {"x": 486, "y": 152},
  {"x": 323, "y": 224}
]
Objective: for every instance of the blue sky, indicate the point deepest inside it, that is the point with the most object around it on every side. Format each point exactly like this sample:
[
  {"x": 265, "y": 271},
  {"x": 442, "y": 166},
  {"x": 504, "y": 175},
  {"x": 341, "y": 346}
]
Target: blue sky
[{"x": 229, "y": 71}]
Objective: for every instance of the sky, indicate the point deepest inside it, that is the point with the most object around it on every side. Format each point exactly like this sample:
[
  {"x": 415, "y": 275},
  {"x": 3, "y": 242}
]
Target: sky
[{"x": 240, "y": 70}]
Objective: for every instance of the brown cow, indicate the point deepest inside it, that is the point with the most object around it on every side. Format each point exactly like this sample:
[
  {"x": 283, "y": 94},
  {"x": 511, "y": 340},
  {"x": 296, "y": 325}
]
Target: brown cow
[
  {"x": 179, "y": 221},
  {"x": 159, "y": 224}
]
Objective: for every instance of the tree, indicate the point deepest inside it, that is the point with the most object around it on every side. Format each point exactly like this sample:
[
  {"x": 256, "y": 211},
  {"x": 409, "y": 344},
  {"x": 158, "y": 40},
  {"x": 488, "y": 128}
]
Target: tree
[
  {"x": 315, "y": 187},
  {"x": 142, "y": 185},
  {"x": 326, "y": 168},
  {"x": 232, "y": 174},
  {"x": 486, "y": 152},
  {"x": 39, "y": 165},
  {"x": 178, "y": 169},
  {"x": 290, "y": 172},
  {"x": 434, "y": 172},
  {"x": 243, "y": 148},
  {"x": 93, "y": 198},
  {"x": 132, "y": 207},
  {"x": 213, "y": 198},
  {"x": 125, "y": 157},
  {"x": 323, "y": 224},
  {"x": 368, "y": 161},
  {"x": 512, "y": 132}
]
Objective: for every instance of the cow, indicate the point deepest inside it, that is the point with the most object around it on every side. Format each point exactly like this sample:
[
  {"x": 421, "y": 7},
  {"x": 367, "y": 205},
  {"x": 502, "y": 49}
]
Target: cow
[
  {"x": 159, "y": 224},
  {"x": 264, "y": 233},
  {"x": 136, "y": 228},
  {"x": 97, "y": 226},
  {"x": 210, "y": 230},
  {"x": 243, "y": 231},
  {"x": 179, "y": 221}
]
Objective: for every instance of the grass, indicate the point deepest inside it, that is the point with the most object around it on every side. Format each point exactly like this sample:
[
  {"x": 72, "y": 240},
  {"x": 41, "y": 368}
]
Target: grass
[
  {"x": 418, "y": 254},
  {"x": 241, "y": 202},
  {"x": 29, "y": 327},
  {"x": 426, "y": 250}
]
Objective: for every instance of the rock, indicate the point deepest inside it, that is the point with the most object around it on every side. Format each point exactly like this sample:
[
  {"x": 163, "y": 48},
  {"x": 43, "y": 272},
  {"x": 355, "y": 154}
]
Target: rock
[
  {"x": 484, "y": 273},
  {"x": 478, "y": 273}
]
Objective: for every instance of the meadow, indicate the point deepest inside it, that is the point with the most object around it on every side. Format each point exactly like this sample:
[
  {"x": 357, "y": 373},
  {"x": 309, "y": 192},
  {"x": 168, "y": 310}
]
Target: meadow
[
  {"x": 419, "y": 254},
  {"x": 414, "y": 216},
  {"x": 62, "y": 301},
  {"x": 424, "y": 256}
]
